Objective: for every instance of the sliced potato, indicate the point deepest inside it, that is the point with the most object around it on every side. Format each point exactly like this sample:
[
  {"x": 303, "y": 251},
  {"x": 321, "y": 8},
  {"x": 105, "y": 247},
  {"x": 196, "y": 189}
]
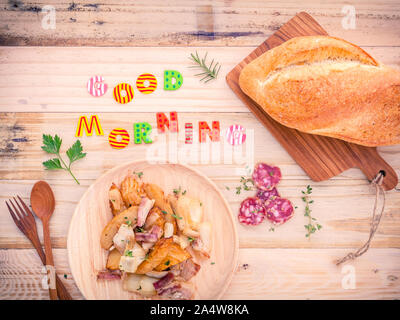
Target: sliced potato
[
  {"x": 189, "y": 213},
  {"x": 117, "y": 205},
  {"x": 155, "y": 192},
  {"x": 158, "y": 254},
  {"x": 113, "y": 260},
  {"x": 131, "y": 191},
  {"x": 146, "y": 286},
  {"x": 134, "y": 255},
  {"x": 155, "y": 218},
  {"x": 175, "y": 255},
  {"x": 106, "y": 239},
  {"x": 139, "y": 284},
  {"x": 131, "y": 282},
  {"x": 119, "y": 240}
]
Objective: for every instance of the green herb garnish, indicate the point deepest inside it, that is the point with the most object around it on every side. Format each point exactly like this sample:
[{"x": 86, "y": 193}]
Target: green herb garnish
[
  {"x": 190, "y": 239},
  {"x": 312, "y": 225},
  {"x": 139, "y": 174},
  {"x": 177, "y": 191},
  {"x": 163, "y": 211},
  {"x": 128, "y": 222},
  {"x": 210, "y": 71},
  {"x": 176, "y": 217},
  {"x": 128, "y": 253},
  {"x": 52, "y": 145},
  {"x": 139, "y": 229},
  {"x": 167, "y": 262},
  {"x": 212, "y": 262},
  {"x": 244, "y": 185}
]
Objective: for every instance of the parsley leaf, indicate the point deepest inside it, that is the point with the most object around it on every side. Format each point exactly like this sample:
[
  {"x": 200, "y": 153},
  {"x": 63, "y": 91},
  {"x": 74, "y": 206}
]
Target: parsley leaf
[
  {"x": 75, "y": 152},
  {"x": 177, "y": 217},
  {"x": 52, "y": 164},
  {"x": 52, "y": 145}
]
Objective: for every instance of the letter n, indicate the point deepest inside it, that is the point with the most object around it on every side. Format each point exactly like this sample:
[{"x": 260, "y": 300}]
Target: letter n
[
  {"x": 83, "y": 124},
  {"x": 162, "y": 121},
  {"x": 204, "y": 129}
]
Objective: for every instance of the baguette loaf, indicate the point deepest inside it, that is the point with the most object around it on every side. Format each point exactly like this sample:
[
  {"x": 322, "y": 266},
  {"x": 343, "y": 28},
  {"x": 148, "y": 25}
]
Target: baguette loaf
[{"x": 327, "y": 86}]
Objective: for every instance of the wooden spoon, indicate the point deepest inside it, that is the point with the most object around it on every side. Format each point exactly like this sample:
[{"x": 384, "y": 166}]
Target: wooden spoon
[{"x": 43, "y": 204}]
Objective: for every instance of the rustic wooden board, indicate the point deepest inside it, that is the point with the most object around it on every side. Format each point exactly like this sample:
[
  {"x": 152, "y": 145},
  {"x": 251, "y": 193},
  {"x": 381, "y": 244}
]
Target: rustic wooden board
[
  {"x": 86, "y": 257},
  {"x": 188, "y": 22},
  {"x": 321, "y": 157}
]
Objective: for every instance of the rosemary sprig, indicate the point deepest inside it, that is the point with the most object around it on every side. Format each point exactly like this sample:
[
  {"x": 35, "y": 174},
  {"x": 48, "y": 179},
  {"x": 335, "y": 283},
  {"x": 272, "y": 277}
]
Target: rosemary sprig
[
  {"x": 312, "y": 225},
  {"x": 210, "y": 71}
]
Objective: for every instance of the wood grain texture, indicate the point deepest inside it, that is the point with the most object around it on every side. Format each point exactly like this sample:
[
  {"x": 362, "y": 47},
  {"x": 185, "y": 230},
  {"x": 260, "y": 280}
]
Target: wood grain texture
[
  {"x": 21, "y": 156},
  {"x": 53, "y": 79},
  {"x": 187, "y": 22},
  {"x": 86, "y": 256},
  {"x": 343, "y": 207},
  {"x": 47, "y": 80},
  {"x": 321, "y": 157},
  {"x": 261, "y": 274}
]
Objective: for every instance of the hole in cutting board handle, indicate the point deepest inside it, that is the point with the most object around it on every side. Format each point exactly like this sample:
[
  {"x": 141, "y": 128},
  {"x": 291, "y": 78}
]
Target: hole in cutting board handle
[{"x": 383, "y": 172}]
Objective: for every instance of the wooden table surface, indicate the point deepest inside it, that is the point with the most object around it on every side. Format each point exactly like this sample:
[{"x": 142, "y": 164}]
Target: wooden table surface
[{"x": 43, "y": 74}]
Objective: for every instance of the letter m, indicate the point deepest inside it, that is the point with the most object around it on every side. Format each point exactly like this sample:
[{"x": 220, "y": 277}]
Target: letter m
[{"x": 83, "y": 124}]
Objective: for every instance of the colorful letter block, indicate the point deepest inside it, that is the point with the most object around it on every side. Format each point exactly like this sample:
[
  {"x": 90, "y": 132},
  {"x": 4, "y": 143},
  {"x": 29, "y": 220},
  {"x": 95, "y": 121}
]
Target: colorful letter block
[
  {"x": 172, "y": 80},
  {"x": 162, "y": 121},
  {"x": 204, "y": 129},
  {"x": 142, "y": 131},
  {"x": 83, "y": 125}
]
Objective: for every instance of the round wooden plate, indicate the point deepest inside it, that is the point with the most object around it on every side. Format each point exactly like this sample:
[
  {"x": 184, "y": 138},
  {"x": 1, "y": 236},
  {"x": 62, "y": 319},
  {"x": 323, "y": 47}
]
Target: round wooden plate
[{"x": 86, "y": 257}]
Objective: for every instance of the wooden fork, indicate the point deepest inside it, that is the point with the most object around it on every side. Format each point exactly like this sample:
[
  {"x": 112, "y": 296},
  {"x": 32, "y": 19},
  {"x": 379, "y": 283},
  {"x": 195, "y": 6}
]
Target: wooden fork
[{"x": 25, "y": 222}]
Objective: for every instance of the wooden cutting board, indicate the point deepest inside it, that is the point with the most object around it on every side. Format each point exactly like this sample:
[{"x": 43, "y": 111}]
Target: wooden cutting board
[{"x": 320, "y": 157}]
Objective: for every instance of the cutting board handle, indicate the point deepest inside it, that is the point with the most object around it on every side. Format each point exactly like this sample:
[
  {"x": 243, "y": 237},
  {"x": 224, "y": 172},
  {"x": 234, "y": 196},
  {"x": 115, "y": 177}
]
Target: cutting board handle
[{"x": 370, "y": 163}]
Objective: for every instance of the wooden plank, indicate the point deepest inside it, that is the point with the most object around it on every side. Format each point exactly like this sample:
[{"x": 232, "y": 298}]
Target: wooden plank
[
  {"x": 43, "y": 79},
  {"x": 262, "y": 274},
  {"x": 21, "y": 136},
  {"x": 187, "y": 23},
  {"x": 343, "y": 208}
]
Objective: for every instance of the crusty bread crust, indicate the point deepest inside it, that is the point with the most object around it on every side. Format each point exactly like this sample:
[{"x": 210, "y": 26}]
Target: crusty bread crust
[{"x": 327, "y": 86}]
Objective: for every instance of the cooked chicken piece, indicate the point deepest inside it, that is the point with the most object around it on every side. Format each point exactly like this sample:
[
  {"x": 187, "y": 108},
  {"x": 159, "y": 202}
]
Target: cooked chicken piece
[
  {"x": 155, "y": 192},
  {"x": 189, "y": 213},
  {"x": 117, "y": 205},
  {"x": 131, "y": 191},
  {"x": 120, "y": 239},
  {"x": 203, "y": 243},
  {"x": 144, "y": 208}
]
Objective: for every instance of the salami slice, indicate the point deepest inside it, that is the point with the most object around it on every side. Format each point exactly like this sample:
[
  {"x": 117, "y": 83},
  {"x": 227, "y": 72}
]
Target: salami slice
[
  {"x": 265, "y": 195},
  {"x": 266, "y": 177},
  {"x": 278, "y": 210},
  {"x": 251, "y": 212}
]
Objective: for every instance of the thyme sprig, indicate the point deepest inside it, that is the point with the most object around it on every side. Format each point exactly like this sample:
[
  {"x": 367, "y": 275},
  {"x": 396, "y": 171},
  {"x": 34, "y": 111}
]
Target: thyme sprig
[
  {"x": 312, "y": 225},
  {"x": 244, "y": 185},
  {"x": 210, "y": 71}
]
